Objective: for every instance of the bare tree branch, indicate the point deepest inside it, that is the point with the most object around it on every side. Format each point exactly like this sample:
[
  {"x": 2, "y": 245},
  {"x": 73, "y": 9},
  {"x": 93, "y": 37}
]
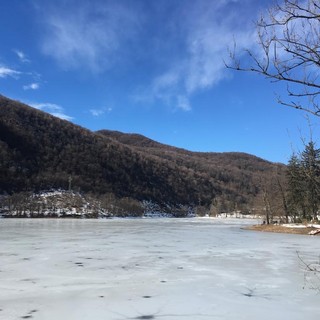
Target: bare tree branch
[
  {"x": 288, "y": 51},
  {"x": 311, "y": 272}
]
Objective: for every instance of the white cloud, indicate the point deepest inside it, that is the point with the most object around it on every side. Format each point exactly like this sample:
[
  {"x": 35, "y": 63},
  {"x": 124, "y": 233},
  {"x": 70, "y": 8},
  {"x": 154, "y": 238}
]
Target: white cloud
[
  {"x": 46, "y": 106},
  {"x": 8, "y": 72},
  {"x": 183, "y": 103},
  {"x": 186, "y": 40},
  {"x": 208, "y": 29},
  {"x": 62, "y": 116},
  {"x": 90, "y": 35},
  {"x": 96, "y": 112},
  {"x": 31, "y": 86},
  {"x": 22, "y": 56},
  {"x": 53, "y": 109},
  {"x": 100, "y": 112}
]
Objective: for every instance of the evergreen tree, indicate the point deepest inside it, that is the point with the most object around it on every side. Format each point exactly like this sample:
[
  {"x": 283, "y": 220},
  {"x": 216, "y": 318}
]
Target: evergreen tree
[
  {"x": 296, "y": 188},
  {"x": 310, "y": 160}
]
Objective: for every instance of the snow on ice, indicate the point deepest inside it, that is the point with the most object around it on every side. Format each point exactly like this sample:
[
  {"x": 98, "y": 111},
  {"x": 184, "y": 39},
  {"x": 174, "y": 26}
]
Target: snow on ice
[{"x": 167, "y": 269}]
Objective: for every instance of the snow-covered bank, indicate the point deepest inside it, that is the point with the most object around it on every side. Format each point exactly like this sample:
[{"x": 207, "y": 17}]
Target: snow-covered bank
[
  {"x": 50, "y": 204},
  {"x": 69, "y": 204},
  {"x": 300, "y": 225},
  {"x": 238, "y": 215}
]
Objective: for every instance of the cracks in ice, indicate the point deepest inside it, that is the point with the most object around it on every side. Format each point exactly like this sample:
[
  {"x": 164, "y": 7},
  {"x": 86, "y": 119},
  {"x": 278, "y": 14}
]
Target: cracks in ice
[
  {"x": 155, "y": 316},
  {"x": 158, "y": 315}
]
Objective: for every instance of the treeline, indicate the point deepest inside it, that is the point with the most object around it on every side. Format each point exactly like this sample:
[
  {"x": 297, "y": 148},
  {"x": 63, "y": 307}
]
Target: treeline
[
  {"x": 69, "y": 204},
  {"x": 303, "y": 176},
  {"x": 295, "y": 195},
  {"x": 238, "y": 177}
]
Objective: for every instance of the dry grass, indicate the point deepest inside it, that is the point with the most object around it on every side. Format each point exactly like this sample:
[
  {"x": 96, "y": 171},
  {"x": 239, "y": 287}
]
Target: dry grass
[{"x": 280, "y": 229}]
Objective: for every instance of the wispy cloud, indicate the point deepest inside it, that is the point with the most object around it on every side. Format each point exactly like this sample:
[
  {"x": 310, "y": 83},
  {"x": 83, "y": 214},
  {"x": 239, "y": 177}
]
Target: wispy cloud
[
  {"x": 183, "y": 103},
  {"x": 53, "y": 109},
  {"x": 207, "y": 29},
  {"x": 96, "y": 113},
  {"x": 62, "y": 116},
  {"x": 90, "y": 35},
  {"x": 21, "y": 55},
  {"x": 99, "y": 112},
  {"x": 31, "y": 86},
  {"x": 186, "y": 40},
  {"x": 8, "y": 72},
  {"x": 30, "y": 76}
]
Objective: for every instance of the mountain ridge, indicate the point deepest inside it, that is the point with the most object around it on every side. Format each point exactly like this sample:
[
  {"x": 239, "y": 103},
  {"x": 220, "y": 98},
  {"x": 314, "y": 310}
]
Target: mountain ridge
[
  {"x": 39, "y": 151},
  {"x": 139, "y": 140}
]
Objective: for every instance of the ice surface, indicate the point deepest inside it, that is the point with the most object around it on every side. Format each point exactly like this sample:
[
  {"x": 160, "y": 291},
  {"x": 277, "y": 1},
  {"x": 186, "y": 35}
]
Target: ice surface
[{"x": 167, "y": 269}]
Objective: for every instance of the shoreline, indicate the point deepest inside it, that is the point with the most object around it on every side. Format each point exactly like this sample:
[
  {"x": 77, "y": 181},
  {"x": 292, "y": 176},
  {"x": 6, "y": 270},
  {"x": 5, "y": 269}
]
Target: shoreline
[{"x": 282, "y": 229}]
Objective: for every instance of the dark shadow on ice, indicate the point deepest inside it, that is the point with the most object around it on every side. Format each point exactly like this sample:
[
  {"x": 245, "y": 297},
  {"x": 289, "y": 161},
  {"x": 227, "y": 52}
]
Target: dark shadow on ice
[
  {"x": 253, "y": 294},
  {"x": 29, "y": 315},
  {"x": 249, "y": 294},
  {"x": 79, "y": 264},
  {"x": 156, "y": 316}
]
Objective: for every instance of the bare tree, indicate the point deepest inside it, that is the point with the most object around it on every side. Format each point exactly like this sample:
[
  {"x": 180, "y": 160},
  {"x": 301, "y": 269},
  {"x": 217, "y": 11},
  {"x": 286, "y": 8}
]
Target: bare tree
[
  {"x": 288, "y": 51},
  {"x": 283, "y": 195}
]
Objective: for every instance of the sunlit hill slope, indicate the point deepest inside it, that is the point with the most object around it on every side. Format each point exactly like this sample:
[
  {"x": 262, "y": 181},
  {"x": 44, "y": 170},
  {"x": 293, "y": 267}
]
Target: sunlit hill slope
[{"x": 39, "y": 152}]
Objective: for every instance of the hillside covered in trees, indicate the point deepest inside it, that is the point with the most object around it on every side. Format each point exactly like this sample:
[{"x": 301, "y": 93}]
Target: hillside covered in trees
[{"x": 41, "y": 152}]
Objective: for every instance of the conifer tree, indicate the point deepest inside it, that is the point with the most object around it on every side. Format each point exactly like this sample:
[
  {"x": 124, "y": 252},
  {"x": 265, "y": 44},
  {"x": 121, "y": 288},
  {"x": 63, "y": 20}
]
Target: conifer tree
[
  {"x": 296, "y": 188},
  {"x": 310, "y": 160},
  {"x": 303, "y": 176}
]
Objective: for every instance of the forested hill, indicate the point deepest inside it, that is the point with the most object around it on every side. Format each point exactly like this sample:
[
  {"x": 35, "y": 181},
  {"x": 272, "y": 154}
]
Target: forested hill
[
  {"x": 206, "y": 161},
  {"x": 39, "y": 152}
]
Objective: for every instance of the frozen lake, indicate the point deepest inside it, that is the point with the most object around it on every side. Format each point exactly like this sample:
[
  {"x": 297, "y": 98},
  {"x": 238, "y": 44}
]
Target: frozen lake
[{"x": 168, "y": 269}]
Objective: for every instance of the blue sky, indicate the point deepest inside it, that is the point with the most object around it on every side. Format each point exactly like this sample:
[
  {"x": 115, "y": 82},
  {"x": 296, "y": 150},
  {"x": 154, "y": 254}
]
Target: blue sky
[{"x": 149, "y": 67}]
